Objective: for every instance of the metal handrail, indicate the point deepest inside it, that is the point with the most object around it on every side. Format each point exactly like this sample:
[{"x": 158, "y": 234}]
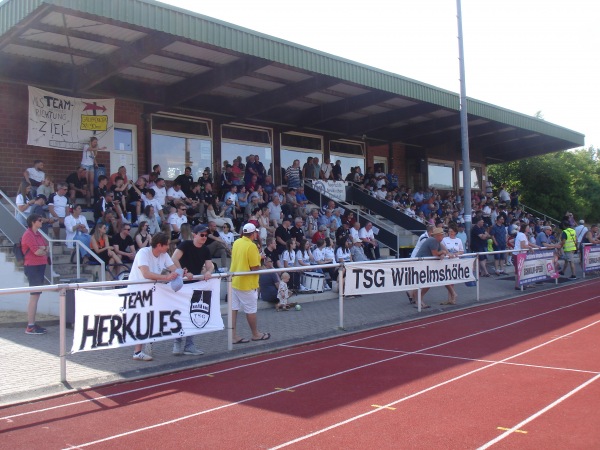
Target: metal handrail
[{"x": 539, "y": 213}]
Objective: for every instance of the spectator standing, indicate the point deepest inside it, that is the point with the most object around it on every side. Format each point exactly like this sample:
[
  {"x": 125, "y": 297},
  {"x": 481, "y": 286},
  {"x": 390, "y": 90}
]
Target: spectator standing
[
  {"x": 337, "y": 171},
  {"x": 149, "y": 264},
  {"x": 522, "y": 244},
  {"x": 293, "y": 175},
  {"x": 88, "y": 159},
  {"x": 194, "y": 258},
  {"x": 479, "y": 237},
  {"x": 498, "y": 235},
  {"x": 185, "y": 180},
  {"x": 246, "y": 258},
  {"x": 580, "y": 232},
  {"x": 326, "y": 170},
  {"x": 568, "y": 240},
  {"x": 35, "y": 251}
]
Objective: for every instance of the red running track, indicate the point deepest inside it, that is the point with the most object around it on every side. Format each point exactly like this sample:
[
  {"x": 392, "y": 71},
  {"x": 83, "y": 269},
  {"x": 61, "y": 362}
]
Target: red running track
[{"x": 519, "y": 374}]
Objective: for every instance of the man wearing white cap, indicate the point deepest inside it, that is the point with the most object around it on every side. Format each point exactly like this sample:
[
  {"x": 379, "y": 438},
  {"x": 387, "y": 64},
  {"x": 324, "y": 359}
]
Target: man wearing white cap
[{"x": 245, "y": 258}]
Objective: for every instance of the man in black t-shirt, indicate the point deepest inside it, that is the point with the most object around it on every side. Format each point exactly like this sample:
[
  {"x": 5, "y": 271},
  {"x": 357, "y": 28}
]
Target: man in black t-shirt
[
  {"x": 271, "y": 252},
  {"x": 185, "y": 180},
  {"x": 194, "y": 257},
  {"x": 123, "y": 244},
  {"x": 282, "y": 234},
  {"x": 78, "y": 187}
]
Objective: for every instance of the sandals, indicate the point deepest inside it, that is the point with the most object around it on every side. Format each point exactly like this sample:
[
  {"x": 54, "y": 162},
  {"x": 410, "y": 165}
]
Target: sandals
[
  {"x": 241, "y": 341},
  {"x": 264, "y": 337}
]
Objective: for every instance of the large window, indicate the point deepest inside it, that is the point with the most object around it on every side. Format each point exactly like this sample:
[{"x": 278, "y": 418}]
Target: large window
[
  {"x": 300, "y": 146},
  {"x": 476, "y": 177},
  {"x": 180, "y": 142},
  {"x": 239, "y": 140},
  {"x": 441, "y": 175},
  {"x": 350, "y": 153}
]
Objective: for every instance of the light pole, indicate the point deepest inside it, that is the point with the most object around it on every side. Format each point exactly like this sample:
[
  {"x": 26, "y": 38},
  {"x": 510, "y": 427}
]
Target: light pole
[{"x": 464, "y": 127}]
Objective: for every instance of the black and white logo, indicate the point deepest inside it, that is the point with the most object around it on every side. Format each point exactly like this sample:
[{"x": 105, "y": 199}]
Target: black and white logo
[{"x": 200, "y": 308}]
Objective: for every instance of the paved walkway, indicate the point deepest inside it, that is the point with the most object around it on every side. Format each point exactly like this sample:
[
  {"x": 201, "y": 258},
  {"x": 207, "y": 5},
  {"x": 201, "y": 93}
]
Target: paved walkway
[{"x": 30, "y": 364}]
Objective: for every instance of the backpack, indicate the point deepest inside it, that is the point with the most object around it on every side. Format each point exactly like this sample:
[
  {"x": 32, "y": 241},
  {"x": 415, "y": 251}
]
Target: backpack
[{"x": 19, "y": 255}]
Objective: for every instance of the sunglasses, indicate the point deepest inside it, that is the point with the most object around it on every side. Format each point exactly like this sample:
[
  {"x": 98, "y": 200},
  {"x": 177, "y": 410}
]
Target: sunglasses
[
  {"x": 202, "y": 234},
  {"x": 126, "y": 229}
]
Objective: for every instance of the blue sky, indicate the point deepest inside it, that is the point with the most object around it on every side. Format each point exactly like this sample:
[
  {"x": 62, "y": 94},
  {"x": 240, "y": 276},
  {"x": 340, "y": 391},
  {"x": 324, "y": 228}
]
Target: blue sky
[{"x": 525, "y": 55}]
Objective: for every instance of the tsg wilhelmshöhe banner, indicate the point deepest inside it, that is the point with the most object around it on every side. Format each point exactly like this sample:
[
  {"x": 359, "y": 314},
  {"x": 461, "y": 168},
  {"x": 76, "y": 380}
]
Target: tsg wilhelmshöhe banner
[
  {"x": 143, "y": 313},
  {"x": 405, "y": 276},
  {"x": 67, "y": 123}
]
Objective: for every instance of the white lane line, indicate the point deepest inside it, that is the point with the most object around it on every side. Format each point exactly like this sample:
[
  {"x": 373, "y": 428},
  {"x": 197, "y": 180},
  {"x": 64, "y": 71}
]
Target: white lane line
[
  {"x": 416, "y": 394},
  {"x": 462, "y": 358},
  {"x": 539, "y": 413},
  {"x": 506, "y": 304},
  {"x": 353, "y": 369}
]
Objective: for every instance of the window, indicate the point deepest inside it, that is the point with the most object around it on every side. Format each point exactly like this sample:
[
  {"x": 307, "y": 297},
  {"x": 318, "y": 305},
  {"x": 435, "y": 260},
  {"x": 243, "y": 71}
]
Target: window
[
  {"x": 350, "y": 153},
  {"x": 300, "y": 146},
  {"x": 441, "y": 175},
  {"x": 243, "y": 140},
  {"x": 476, "y": 177},
  {"x": 179, "y": 142}
]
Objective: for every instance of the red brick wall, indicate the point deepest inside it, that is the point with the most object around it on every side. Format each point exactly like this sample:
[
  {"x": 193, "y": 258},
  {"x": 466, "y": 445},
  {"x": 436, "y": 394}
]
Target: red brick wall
[{"x": 16, "y": 155}]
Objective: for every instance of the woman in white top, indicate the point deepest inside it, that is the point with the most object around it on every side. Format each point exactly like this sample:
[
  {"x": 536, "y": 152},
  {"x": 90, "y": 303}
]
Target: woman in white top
[
  {"x": 88, "y": 158},
  {"x": 455, "y": 248},
  {"x": 218, "y": 217},
  {"x": 75, "y": 223},
  {"x": 288, "y": 259},
  {"x": 24, "y": 202},
  {"x": 521, "y": 244},
  {"x": 304, "y": 256},
  {"x": 343, "y": 252},
  {"x": 227, "y": 236}
]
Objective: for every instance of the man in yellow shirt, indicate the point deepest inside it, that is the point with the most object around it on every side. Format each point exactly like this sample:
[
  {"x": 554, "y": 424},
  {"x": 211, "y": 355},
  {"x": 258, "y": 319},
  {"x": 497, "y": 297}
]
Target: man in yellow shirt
[{"x": 245, "y": 258}]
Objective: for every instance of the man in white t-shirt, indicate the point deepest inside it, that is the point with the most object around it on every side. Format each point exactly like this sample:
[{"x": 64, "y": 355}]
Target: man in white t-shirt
[
  {"x": 371, "y": 245},
  {"x": 421, "y": 239},
  {"x": 175, "y": 195},
  {"x": 177, "y": 219},
  {"x": 149, "y": 264},
  {"x": 326, "y": 169},
  {"x": 57, "y": 207},
  {"x": 35, "y": 175},
  {"x": 160, "y": 192},
  {"x": 580, "y": 232}
]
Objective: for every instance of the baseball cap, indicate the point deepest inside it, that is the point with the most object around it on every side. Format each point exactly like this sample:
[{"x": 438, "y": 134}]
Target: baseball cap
[
  {"x": 248, "y": 228},
  {"x": 41, "y": 196},
  {"x": 199, "y": 228}
]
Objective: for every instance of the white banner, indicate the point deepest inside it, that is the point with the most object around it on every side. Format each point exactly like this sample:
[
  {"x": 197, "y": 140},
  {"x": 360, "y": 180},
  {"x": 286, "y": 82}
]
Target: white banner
[
  {"x": 405, "y": 276},
  {"x": 591, "y": 257},
  {"x": 333, "y": 189},
  {"x": 67, "y": 123},
  {"x": 535, "y": 267},
  {"x": 145, "y": 313}
]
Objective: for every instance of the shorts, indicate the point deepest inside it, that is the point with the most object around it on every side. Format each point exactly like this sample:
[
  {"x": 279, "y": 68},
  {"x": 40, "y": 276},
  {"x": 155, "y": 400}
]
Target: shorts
[
  {"x": 247, "y": 300},
  {"x": 91, "y": 167},
  {"x": 567, "y": 256},
  {"x": 35, "y": 276},
  {"x": 499, "y": 256},
  {"x": 482, "y": 257}
]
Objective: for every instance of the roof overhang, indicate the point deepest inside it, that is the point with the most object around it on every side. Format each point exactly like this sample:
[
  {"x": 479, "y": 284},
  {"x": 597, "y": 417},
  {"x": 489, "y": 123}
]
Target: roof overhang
[{"x": 169, "y": 58}]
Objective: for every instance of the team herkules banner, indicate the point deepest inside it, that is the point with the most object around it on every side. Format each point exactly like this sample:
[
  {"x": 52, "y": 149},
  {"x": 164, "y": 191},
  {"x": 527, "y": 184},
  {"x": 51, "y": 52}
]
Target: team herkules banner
[
  {"x": 67, "y": 123},
  {"x": 144, "y": 313},
  {"x": 403, "y": 276}
]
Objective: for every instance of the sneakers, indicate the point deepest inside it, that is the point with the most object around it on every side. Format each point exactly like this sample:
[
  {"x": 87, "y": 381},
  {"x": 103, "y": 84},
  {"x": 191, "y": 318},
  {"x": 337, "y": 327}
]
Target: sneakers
[
  {"x": 53, "y": 274},
  {"x": 192, "y": 350},
  {"x": 222, "y": 270},
  {"x": 178, "y": 348},
  {"x": 572, "y": 277},
  {"x": 303, "y": 288},
  {"x": 35, "y": 329},
  {"x": 149, "y": 349},
  {"x": 141, "y": 356},
  {"x": 326, "y": 287}
]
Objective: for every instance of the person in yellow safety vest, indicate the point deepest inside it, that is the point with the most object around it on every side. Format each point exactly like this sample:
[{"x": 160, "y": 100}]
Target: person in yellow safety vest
[{"x": 568, "y": 241}]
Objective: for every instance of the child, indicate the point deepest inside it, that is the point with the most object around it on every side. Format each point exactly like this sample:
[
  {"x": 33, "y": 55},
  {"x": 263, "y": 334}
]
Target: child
[{"x": 283, "y": 294}]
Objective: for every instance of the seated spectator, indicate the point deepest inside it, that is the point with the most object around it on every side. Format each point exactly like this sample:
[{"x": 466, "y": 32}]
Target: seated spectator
[
  {"x": 312, "y": 223},
  {"x": 275, "y": 211},
  {"x": 288, "y": 259},
  {"x": 57, "y": 206},
  {"x": 283, "y": 234},
  {"x": 35, "y": 175},
  {"x": 135, "y": 198},
  {"x": 343, "y": 253},
  {"x": 320, "y": 234},
  {"x": 304, "y": 256},
  {"x": 39, "y": 207},
  {"x": 268, "y": 283},
  {"x": 149, "y": 216},
  {"x": 216, "y": 214},
  {"x": 216, "y": 245},
  {"x": 100, "y": 191},
  {"x": 75, "y": 223},
  {"x": 301, "y": 202},
  {"x": 124, "y": 245},
  {"x": 271, "y": 252},
  {"x": 24, "y": 202},
  {"x": 371, "y": 245},
  {"x": 119, "y": 190},
  {"x": 357, "y": 251},
  {"x": 265, "y": 224},
  {"x": 227, "y": 236},
  {"x": 100, "y": 245},
  {"x": 176, "y": 196},
  {"x": 176, "y": 220},
  {"x": 185, "y": 181},
  {"x": 323, "y": 254},
  {"x": 297, "y": 231},
  {"x": 78, "y": 187},
  {"x": 46, "y": 188},
  {"x": 143, "y": 237},
  {"x": 121, "y": 172}
]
